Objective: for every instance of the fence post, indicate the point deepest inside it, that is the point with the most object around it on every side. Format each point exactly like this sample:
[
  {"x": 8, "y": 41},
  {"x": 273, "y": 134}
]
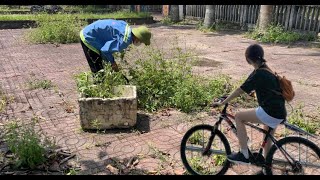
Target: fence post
[
  {"x": 181, "y": 14},
  {"x": 244, "y": 17},
  {"x": 292, "y": 17},
  {"x": 287, "y": 17}
]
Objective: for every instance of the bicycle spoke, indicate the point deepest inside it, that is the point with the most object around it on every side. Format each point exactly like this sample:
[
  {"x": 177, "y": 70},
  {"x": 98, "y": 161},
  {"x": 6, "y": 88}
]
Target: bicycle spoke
[
  {"x": 303, "y": 155},
  {"x": 195, "y": 158}
]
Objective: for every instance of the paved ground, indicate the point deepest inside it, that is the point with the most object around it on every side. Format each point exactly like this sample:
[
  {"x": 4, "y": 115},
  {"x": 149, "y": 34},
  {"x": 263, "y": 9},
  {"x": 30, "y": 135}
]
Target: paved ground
[{"x": 156, "y": 135}]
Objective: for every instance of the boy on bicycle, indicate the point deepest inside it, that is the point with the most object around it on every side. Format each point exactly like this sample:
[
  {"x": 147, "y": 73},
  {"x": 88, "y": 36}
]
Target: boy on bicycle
[{"x": 271, "y": 111}]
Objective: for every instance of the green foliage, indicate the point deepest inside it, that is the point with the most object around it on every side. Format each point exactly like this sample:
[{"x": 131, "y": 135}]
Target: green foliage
[
  {"x": 197, "y": 164},
  {"x": 298, "y": 118},
  {"x": 53, "y": 30},
  {"x": 99, "y": 84},
  {"x": 36, "y": 84},
  {"x": 195, "y": 92},
  {"x": 216, "y": 26},
  {"x": 72, "y": 171},
  {"x": 167, "y": 21},
  {"x": 202, "y": 28},
  {"x": 196, "y": 138},
  {"x": 277, "y": 34},
  {"x": 169, "y": 82},
  {"x": 27, "y": 145},
  {"x": 82, "y": 16},
  {"x": 219, "y": 159}
]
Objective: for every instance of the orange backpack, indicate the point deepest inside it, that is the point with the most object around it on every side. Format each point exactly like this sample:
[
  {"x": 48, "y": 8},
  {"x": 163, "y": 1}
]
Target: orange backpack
[{"x": 285, "y": 85}]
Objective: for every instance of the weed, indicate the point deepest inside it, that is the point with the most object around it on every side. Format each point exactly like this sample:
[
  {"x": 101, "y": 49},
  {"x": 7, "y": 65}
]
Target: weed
[
  {"x": 168, "y": 82},
  {"x": 72, "y": 171},
  {"x": 219, "y": 159},
  {"x": 53, "y": 30},
  {"x": 277, "y": 34},
  {"x": 37, "y": 84},
  {"x": 167, "y": 21},
  {"x": 196, "y": 138},
  {"x": 297, "y": 117},
  {"x": 27, "y": 145},
  {"x": 100, "y": 84},
  {"x": 202, "y": 28},
  {"x": 96, "y": 124},
  {"x": 197, "y": 165},
  {"x": 5, "y": 100}
]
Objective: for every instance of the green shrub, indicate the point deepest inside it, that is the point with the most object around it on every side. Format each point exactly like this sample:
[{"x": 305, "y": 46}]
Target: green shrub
[
  {"x": 99, "y": 84},
  {"x": 166, "y": 21},
  {"x": 277, "y": 34},
  {"x": 169, "y": 82},
  {"x": 195, "y": 92},
  {"x": 53, "y": 30}
]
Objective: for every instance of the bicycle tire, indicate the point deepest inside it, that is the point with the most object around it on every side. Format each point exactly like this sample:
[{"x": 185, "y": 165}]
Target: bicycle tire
[
  {"x": 287, "y": 140},
  {"x": 218, "y": 134}
]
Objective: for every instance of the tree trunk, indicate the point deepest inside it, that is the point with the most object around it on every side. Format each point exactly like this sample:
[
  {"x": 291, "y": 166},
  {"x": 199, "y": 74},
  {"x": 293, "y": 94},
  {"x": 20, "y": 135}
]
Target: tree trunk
[
  {"x": 209, "y": 16},
  {"x": 265, "y": 17},
  {"x": 174, "y": 13}
]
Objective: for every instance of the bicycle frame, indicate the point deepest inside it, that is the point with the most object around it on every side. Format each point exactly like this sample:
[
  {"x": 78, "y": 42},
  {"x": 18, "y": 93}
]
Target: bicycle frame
[{"x": 228, "y": 118}]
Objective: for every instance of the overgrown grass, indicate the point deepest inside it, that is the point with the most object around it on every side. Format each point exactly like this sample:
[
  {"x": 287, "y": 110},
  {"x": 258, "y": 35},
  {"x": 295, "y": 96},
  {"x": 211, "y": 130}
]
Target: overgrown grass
[
  {"x": 299, "y": 118},
  {"x": 167, "y": 21},
  {"x": 83, "y": 16},
  {"x": 217, "y": 26},
  {"x": 169, "y": 82},
  {"x": 100, "y": 84},
  {"x": 27, "y": 145},
  {"x": 277, "y": 34},
  {"x": 37, "y": 84},
  {"x": 53, "y": 30},
  {"x": 4, "y": 100},
  {"x": 162, "y": 81}
]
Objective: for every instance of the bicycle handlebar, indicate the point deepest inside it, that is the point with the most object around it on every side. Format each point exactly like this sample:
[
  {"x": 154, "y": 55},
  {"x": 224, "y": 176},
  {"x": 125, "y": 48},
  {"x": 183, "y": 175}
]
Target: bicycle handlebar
[{"x": 221, "y": 99}]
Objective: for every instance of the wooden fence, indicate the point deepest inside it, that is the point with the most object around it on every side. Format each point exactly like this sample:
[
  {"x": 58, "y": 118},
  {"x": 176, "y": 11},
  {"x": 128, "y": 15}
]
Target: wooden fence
[
  {"x": 304, "y": 18},
  {"x": 291, "y": 17}
]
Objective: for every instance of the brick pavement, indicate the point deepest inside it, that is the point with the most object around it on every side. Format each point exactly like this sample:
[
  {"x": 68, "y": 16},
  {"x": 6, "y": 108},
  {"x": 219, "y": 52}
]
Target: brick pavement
[{"x": 21, "y": 62}]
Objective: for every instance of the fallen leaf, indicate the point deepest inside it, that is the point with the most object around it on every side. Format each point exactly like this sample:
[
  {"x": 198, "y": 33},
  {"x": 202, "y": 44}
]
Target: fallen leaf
[
  {"x": 152, "y": 172},
  {"x": 112, "y": 169},
  {"x": 179, "y": 171}
]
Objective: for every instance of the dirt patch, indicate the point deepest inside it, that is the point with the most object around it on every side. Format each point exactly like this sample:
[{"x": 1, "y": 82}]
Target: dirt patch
[{"x": 206, "y": 62}]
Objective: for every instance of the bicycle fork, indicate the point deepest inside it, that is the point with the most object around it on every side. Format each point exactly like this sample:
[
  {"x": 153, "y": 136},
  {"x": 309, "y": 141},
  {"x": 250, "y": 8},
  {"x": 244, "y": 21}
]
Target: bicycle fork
[{"x": 206, "y": 151}]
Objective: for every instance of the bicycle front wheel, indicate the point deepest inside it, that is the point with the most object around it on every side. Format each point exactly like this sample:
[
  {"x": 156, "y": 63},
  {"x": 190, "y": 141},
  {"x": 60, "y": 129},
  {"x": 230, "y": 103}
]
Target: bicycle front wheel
[
  {"x": 193, "y": 145},
  {"x": 304, "y": 153}
]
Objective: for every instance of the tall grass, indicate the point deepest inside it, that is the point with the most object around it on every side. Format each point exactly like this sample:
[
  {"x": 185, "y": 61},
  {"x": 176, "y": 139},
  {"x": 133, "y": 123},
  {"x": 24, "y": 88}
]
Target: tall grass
[
  {"x": 62, "y": 16},
  {"x": 277, "y": 34},
  {"x": 56, "y": 30}
]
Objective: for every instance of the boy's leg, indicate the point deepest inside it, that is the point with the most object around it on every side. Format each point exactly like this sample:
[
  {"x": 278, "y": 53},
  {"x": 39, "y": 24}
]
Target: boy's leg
[
  {"x": 268, "y": 144},
  {"x": 240, "y": 118},
  {"x": 94, "y": 59}
]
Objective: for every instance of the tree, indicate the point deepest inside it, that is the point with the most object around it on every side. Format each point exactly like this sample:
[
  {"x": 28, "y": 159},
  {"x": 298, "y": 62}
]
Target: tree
[
  {"x": 209, "y": 16},
  {"x": 265, "y": 17},
  {"x": 174, "y": 13}
]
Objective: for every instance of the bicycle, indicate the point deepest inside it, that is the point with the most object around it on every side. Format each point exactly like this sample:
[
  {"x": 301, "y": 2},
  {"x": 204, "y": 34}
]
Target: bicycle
[{"x": 208, "y": 156}]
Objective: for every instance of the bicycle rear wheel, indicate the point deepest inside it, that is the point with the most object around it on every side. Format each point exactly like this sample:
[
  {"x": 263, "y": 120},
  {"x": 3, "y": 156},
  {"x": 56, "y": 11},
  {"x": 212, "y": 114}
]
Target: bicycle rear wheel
[
  {"x": 305, "y": 153},
  {"x": 193, "y": 144}
]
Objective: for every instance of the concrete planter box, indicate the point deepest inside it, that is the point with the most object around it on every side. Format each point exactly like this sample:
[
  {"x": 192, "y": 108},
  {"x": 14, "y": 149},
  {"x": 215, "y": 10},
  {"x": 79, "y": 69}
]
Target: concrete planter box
[{"x": 109, "y": 113}]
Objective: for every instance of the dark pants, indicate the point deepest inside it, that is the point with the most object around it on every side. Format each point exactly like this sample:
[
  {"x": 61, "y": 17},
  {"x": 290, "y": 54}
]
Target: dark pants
[{"x": 94, "y": 59}]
